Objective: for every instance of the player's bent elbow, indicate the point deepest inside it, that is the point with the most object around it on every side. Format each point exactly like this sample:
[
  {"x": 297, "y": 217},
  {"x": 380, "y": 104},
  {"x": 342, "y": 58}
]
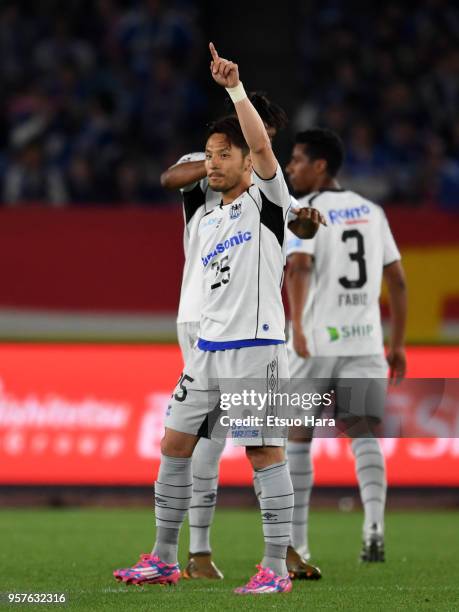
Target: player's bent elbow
[
  {"x": 260, "y": 149},
  {"x": 394, "y": 275},
  {"x": 165, "y": 180},
  {"x": 400, "y": 283}
]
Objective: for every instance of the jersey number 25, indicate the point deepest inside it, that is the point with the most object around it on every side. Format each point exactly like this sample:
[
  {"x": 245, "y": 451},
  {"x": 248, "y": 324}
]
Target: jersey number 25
[{"x": 222, "y": 272}]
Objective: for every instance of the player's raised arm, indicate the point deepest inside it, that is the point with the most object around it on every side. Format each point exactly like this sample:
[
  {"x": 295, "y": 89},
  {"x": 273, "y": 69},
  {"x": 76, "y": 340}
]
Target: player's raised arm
[
  {"x": 189, "y": 170},
  {"x": 226, "y": 74},
  {"x": 179, "y": 176}
]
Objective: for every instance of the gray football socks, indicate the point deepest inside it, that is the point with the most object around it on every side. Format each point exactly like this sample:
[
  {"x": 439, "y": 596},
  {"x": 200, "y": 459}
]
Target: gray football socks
[
  {"x": 302, "y": 475},
  {"x": 205, "y": 464},
  {"x": 173, "y": 490},
  {"x": 371, "y": 475},
  {"x": 276, "y": 505}
]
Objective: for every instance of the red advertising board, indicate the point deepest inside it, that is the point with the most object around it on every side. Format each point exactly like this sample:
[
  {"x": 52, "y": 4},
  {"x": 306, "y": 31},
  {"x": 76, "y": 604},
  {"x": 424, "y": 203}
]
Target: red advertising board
[
  {"x": 93, "y": 414},
  {"x": 128, "y": 247}
]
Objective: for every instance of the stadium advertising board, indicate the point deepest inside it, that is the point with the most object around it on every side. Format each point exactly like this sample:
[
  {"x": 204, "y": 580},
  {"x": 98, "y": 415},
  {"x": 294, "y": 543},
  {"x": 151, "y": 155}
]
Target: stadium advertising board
[{"x": 93, "y": 414}]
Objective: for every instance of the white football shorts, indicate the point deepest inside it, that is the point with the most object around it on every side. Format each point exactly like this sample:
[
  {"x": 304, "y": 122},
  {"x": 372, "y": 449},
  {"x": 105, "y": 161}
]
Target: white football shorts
[{"x": 212, "y": 379}]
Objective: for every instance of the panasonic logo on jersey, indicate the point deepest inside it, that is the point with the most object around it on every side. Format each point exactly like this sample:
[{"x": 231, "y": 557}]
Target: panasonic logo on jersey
[
  {"x": 221, "y": 247},
  {"x": 343, "y": 214}
]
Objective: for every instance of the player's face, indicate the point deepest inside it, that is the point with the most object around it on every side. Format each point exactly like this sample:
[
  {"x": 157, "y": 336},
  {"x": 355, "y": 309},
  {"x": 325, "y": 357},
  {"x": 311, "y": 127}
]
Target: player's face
[
  {"x": 302, "y": 171},
  {"x": 226, "y": 165}
]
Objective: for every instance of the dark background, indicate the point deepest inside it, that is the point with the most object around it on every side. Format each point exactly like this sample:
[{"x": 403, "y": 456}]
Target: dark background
[{"x": 98, "y": 97}]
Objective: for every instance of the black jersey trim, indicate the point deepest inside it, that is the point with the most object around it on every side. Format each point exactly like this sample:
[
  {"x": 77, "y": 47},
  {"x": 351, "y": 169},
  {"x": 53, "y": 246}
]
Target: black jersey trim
[
  {"x": 258, "y": 276},
  {"x": 272, "y": 217},
  {"x": 208, "y": 424},
  {"x": 287, "y": 211},
  {"x": 256, "y": 203},
  {"x": 263, "y": 179},
  {"x": 255, "y": 337},
  {"x": 311, "y": 199},
  {"x": 192, "y": 200},
  {"x": 321, "y": 191}
]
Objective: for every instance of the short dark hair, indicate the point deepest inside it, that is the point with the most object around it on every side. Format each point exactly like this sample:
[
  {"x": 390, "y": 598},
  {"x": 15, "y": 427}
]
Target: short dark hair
[
  {"x": 231, "y": 128},
  {"x": 322, "y": 143},
  {"x": 271, "y": 113}
]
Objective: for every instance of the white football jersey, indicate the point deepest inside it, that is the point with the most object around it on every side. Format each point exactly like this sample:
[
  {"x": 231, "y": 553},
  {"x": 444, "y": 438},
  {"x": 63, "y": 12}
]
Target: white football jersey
[
  {"x": 342, "y": 314},
  {"x": 198, "y": 199},
  {"x": 242, "y": 257}
]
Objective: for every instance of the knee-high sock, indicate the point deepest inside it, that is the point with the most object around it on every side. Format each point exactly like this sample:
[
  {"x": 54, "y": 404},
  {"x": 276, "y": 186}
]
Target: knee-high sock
[
  {"x": 256, "y": 485},
  {"x": 276, "y": 505},
  {"x": 371, "y": 474},
  {"x": 172, "y": 500},
  {"x": 302, "y": 475},
  {"x": 204, "y": 465}
]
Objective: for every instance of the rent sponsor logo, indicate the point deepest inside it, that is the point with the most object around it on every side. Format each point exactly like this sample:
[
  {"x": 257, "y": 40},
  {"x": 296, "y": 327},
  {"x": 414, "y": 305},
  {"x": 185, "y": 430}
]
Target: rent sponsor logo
[
  {"x": 344, "y": 332},
  {"x": 349, "y": 216},
  {"x": 221, "y": 247},
  {"x": 212, "y": 221}
]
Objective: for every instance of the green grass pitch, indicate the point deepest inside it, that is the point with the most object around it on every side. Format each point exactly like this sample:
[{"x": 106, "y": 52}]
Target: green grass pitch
[{"x": 76, "y": 550}]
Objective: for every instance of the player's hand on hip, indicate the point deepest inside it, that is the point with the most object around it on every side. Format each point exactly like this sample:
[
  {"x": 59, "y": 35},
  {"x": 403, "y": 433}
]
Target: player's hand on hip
[
  {"x": 224, "y": 72},
  {"x": 396, "y": 358},
  {"x": 300, "y": 344}
]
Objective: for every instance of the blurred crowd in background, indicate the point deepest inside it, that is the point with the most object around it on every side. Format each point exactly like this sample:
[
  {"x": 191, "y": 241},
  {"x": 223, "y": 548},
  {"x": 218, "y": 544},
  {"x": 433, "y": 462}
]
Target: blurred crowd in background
[
  {"x": 98, "y": 97},
  {"x": 386, "y": 77}
]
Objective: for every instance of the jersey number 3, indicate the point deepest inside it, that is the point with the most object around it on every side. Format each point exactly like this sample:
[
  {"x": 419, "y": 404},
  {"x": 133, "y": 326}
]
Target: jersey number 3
[
  {"x": 359, "y": 257},
  {"x": 222, "y": 272}
]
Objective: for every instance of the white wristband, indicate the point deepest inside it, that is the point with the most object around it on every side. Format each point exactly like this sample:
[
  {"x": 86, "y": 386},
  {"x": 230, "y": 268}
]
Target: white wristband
[{"x": 236, "y": 93}]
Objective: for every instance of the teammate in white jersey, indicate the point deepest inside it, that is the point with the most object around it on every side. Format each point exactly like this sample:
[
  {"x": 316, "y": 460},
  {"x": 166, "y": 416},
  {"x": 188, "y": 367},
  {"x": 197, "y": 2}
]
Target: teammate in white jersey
[
  {"x": 189, "y": 175},
  {"x": 241, "y": 336},
  {"x": 334, "y": 284}
]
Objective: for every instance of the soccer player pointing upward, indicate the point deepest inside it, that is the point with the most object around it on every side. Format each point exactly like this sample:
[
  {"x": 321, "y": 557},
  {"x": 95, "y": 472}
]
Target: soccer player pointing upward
[
  {"x": 241, "y": 244},
  {"x": 189, "y": 175},
  {"x": 262, "y": 158}
]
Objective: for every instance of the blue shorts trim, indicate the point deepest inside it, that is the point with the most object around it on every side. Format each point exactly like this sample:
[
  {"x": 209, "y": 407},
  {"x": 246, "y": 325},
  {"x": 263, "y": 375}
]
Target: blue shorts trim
[{"x": 209, "y": 345}]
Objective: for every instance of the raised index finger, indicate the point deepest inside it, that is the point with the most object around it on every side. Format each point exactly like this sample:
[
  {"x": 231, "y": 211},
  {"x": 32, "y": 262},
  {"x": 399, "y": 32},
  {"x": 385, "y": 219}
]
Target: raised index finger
[{"x": 213, "y": 52}]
